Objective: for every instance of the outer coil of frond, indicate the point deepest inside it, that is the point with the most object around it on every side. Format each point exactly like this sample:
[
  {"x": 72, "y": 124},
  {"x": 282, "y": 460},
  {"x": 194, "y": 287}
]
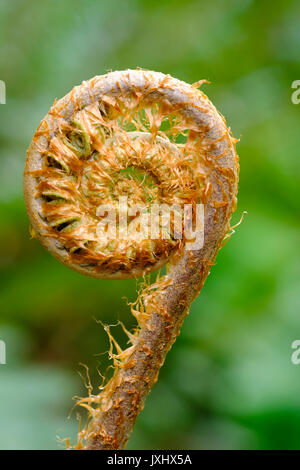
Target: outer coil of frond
[{"x": 152, "y": 138}]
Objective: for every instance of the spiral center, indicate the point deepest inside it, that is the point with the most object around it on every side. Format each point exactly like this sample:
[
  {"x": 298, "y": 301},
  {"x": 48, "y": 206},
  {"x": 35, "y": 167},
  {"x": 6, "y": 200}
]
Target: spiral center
[
  {"x": 94, "y": 162},
  {"x": 135, "y": 183}
]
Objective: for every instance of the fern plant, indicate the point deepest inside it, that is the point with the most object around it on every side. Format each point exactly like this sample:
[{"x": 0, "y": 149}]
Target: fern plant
[{"x": 153, "y": 140}]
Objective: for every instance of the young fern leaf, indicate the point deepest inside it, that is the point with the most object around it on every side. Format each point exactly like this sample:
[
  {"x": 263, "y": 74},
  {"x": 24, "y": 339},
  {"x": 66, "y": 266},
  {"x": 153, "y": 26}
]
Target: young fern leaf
[{"x": 155, "y": 140}]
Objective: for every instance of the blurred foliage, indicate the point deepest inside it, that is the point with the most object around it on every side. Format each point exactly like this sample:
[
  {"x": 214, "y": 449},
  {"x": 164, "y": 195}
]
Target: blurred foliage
[{"x": 229, "y": 381}]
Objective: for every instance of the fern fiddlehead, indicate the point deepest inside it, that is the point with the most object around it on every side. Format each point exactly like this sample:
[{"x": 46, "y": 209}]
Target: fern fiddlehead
[{"x": 153, "y": 140}]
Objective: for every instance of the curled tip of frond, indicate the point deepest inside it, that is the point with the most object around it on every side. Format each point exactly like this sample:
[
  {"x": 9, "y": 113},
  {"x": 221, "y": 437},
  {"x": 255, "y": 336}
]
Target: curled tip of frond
[{"x": 127, "y": 143}]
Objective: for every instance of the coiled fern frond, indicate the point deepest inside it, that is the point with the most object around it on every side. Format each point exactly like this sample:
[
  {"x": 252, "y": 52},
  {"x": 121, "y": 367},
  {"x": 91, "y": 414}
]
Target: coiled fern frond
[{"x": 150, "y": 140}]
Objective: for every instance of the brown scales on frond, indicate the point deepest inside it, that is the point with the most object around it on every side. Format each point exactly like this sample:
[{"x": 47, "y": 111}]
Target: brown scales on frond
[{"x": 154, "y": 140}]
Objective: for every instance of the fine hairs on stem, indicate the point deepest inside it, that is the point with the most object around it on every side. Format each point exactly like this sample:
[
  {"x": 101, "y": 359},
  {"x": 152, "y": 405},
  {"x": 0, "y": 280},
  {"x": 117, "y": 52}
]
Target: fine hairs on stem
[{"x": 153, "y": 139}]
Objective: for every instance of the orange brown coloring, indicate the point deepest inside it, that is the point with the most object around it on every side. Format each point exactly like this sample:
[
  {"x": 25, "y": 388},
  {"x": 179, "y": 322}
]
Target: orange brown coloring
[{"x": 153, "y": 139}]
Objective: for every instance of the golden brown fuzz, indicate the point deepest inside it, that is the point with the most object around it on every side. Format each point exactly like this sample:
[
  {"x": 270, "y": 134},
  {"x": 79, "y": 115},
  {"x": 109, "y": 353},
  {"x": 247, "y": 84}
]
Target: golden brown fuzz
[{"x": 151, "y": 139}]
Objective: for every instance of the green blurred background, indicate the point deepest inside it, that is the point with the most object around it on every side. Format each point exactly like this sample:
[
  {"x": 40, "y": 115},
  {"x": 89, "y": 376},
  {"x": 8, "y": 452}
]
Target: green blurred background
[{"x": 228, "y": 383}]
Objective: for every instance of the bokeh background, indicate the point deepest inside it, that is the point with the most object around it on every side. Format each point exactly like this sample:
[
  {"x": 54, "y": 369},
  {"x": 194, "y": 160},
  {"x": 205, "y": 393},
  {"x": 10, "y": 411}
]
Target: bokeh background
[{"x": 229, "y": 382}]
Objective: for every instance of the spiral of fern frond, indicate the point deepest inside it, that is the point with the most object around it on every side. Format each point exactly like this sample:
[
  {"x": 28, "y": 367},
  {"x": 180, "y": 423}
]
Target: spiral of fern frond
[
  {"x": 124, "y": 145},
  {"x": 150, "y": 140}
]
